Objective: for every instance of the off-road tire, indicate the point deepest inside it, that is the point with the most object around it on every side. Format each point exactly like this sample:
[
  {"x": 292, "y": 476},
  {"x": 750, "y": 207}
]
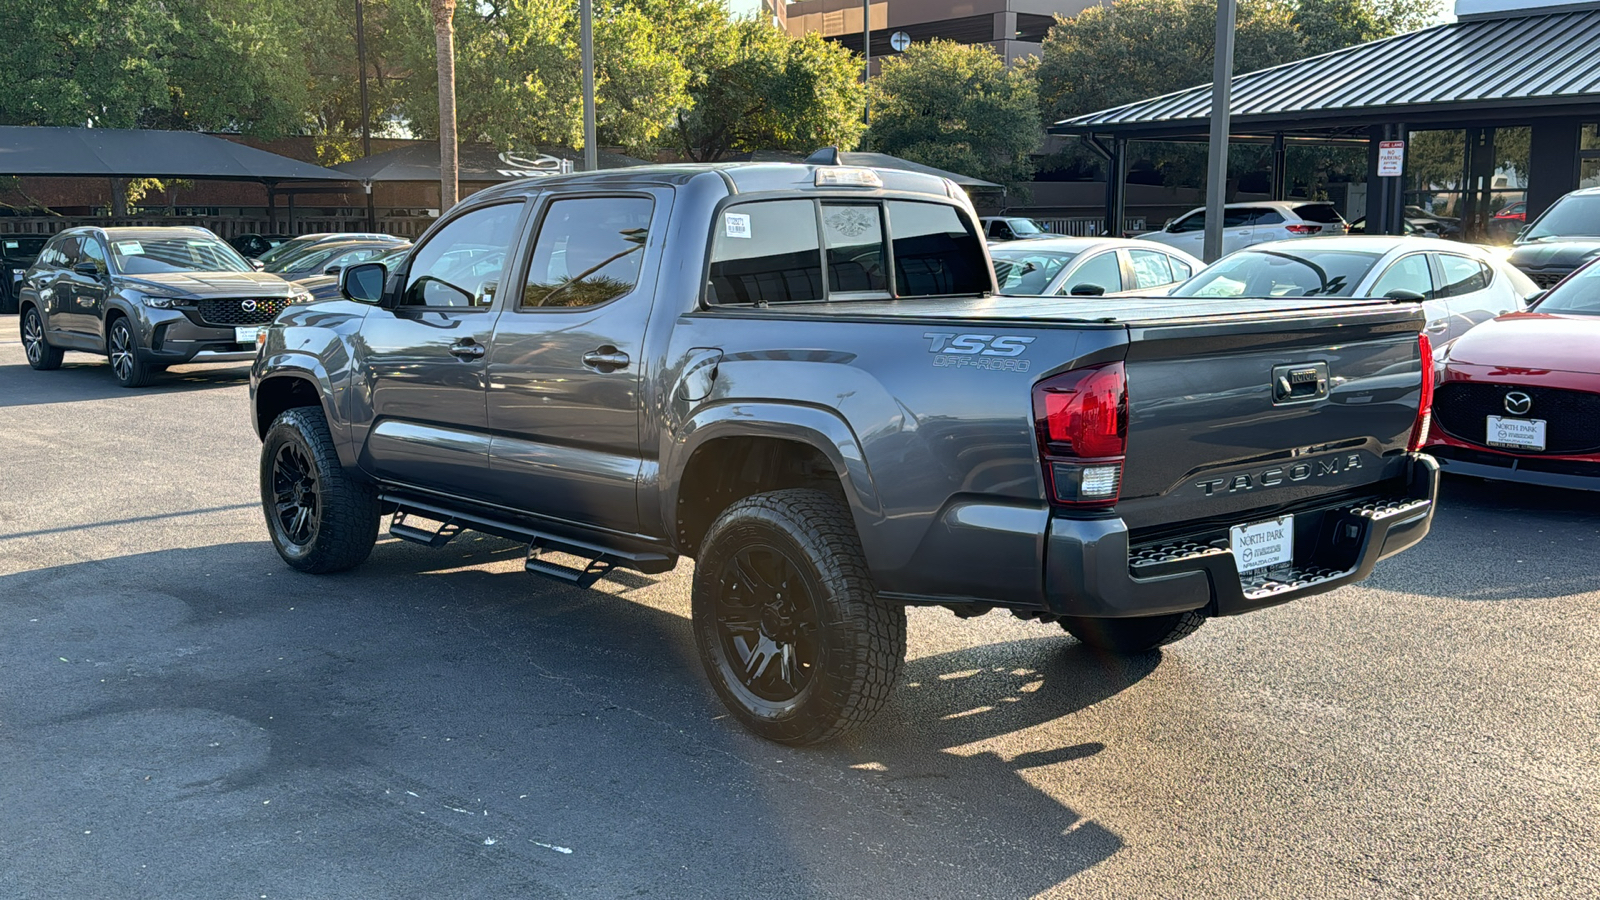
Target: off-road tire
[
  {"x": 122, "y": 351},
  {"x": 35, "y": 343},
  {"x": 857, "y": 642},
  {"x": 343, "y": 524},
  {"x": 1130, "y": 637}
]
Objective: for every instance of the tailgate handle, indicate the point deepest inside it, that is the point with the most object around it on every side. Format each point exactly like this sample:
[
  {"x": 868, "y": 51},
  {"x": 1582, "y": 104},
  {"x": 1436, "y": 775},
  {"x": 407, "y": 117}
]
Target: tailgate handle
[{"x": 1299, "y": 383}]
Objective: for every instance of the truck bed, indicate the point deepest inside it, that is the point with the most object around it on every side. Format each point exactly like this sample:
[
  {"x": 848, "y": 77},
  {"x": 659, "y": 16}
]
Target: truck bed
[{"x": 1078, "y": 311}]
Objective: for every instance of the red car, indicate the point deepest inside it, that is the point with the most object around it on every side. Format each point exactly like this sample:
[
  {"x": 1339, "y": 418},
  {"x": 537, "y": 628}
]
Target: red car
[{"x": 1518, "y": 397}]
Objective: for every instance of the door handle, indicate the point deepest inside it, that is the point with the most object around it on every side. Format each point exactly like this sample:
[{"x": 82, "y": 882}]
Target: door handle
[
  {"x": 1438, "y": 325},
  {"x": 466, "y": 349},
  {"x": 606, "y": 359}
]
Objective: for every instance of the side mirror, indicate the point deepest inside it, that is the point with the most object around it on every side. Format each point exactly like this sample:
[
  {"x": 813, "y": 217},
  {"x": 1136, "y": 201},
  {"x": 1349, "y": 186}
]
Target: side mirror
[
  {"x": 1522, "y": 232},
  {"x": 1406, "y": 295},
  {"x": 87, "y": 270},
  {"x": 363, "y": 283},
  {"x": 257, "y": 264},
  {"x": 332, "y": 270},
  {"x": 1533, "y": 298},
  {"x": 1087, "y": 290}
]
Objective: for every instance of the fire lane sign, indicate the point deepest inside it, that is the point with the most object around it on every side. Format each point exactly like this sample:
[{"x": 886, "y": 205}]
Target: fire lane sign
[{"x": 1391, "y": 158}]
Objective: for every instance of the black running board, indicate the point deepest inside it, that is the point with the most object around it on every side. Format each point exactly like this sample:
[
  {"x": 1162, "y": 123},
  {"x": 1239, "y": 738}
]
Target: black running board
[{"x": 600, "y": 559}]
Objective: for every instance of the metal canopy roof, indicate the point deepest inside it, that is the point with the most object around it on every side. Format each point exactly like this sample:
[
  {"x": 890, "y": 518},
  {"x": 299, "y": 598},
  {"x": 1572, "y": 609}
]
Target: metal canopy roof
[
  {"x": 1518, "y": 67},
  {"x": 474, "y": 162},
  {"x": 118, "y": 153}
]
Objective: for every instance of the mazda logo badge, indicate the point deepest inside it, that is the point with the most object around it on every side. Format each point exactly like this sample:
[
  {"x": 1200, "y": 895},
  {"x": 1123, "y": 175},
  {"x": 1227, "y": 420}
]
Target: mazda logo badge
[
  {"x": 250, "y": 306},
  {"x": 1518, "y": 403}
]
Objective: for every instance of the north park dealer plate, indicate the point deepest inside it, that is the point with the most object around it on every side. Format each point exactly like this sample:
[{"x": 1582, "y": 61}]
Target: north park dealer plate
[{"x": 1261, "y": 545}]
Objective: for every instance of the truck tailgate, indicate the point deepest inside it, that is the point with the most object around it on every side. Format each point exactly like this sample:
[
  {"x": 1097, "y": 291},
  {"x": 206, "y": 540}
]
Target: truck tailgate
[{"x": 1229, "y": 421}]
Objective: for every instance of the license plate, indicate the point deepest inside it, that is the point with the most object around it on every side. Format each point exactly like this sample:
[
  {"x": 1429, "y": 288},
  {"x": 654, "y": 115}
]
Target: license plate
[
  {"x": 1518, "y": 434},
  {"x": 246, "y": 335},
  {"x": 1263, "y": 544}
]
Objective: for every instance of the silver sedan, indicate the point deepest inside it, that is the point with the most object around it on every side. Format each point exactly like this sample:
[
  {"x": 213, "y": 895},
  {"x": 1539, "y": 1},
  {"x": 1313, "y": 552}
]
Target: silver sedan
[
  {"x": 1458, "y": 285},
  {"x": 1089, "y": 267}
]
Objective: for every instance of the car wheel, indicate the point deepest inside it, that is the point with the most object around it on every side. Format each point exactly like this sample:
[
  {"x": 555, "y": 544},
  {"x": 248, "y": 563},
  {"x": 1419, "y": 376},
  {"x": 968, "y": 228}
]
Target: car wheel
[
  {"x": 1132, "y": 636},
  {"x": 791, "y": 630},
  {"x": 41, "y": 355},
  {"x": 322, "y": 518},
  {"x": 123, "y": 350}
]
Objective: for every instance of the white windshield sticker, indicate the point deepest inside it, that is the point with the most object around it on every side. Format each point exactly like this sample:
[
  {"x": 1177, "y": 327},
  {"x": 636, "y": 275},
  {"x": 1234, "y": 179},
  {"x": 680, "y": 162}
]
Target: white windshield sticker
[
  {"x": 129, "y": 248},
  {"x": 738, "y": 224}
]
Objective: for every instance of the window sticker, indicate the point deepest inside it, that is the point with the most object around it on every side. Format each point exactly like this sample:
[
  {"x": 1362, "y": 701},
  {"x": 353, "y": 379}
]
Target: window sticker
[
  {"x": 738, "y": 225},
  {"x": 129, "y": 248}
]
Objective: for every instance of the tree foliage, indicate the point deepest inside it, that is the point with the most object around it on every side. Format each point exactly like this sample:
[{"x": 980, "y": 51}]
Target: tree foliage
[
  {"x": 763, "y": 90},
  {"x": 141, "y": 64},
  {"x": 957, "y": 107}
]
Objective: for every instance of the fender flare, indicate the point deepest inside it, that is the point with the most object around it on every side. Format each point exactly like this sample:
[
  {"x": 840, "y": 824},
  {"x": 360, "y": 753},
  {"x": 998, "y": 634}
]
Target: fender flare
[
  {"x": 308, "y": 368},
  {"x": 818, "y": 427}
]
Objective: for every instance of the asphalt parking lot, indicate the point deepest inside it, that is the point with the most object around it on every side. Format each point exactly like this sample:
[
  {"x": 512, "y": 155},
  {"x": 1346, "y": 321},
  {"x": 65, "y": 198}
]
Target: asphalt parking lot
[{"x": 182, "y": 716}]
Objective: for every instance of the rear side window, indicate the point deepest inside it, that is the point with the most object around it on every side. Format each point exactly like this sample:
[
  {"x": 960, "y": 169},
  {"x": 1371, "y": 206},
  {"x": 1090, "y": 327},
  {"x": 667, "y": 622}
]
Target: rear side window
[
  {"x": 766, "y": 253},
  {"x": 854, "y": 236},
  {"x": 1150, "y": 268},
  {"x": 1235, "y": 218},
  {"x": 935, "y": 252},
  {"x": 588, "y": 251},
  {"x": 1266, "y": 217},
  {"x": 1462, "y": 275},
  {"x": 1319, "y": 212}
]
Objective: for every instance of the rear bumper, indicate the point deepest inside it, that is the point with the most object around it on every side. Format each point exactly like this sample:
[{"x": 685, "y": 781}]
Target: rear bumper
[{"x": 1091, "y": 570}]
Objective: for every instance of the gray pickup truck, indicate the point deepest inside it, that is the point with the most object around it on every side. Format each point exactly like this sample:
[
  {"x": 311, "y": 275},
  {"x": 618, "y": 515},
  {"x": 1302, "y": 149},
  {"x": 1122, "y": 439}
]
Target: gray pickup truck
[{"x": 800, "y": 377}]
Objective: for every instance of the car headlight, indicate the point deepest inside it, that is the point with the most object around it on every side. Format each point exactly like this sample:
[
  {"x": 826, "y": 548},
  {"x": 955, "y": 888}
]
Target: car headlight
[
  {"x": 301, "y": 296},
  {"x": 158, "y": 300}
]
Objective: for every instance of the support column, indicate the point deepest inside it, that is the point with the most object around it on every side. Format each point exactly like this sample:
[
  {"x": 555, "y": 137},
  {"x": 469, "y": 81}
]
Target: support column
[
  {"x": 1280, "y": 174},
  {"x": 272, "y": 207},
  {"x": 1116, "y": 187},
  {"x": 1552, "y": 163},
  {"x": 1397, "y": 191}
]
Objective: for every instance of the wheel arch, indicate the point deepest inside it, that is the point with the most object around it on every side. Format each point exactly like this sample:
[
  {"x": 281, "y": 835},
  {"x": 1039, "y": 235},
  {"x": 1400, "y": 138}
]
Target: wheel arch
[
  {"x": 283, "y": 391},
  {"x": 728, "y": 453}
]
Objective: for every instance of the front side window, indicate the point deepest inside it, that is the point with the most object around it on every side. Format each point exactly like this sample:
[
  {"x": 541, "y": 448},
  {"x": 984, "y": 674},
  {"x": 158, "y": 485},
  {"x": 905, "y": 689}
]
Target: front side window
[
  {"x": 91, "y": 251},
  {"x": 1410, "y": 273},
  {"x": 1462, "y": 275},
  {"x": 589, "y": 251},
  {"x": 1028, "y": 272},
  {"x": 1192, "y": 222},
  {"x": 461, "y": 264},
  {"x": 1150, "y": 269},
  {"x": 766, "y": 253},
  {"x": 936, "y": 253},
  {"x": 853, "y": 235}
]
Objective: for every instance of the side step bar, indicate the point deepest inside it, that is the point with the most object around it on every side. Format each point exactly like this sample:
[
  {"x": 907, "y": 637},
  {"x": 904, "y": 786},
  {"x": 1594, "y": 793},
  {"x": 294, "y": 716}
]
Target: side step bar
[{"x": 601, "y": 560}]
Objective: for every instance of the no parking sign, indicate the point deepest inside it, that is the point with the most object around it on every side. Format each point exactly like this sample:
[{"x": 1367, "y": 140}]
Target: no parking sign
[{"x": 1391, "y": 158}]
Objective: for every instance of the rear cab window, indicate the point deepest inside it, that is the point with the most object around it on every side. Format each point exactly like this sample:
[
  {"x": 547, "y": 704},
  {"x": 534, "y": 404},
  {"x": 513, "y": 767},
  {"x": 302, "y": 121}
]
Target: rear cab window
[{"x": 772, "y": 252}]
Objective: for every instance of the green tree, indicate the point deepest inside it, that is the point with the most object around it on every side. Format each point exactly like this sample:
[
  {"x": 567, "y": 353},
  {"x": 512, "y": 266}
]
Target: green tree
[
  {"x": 141, "y": 64},
  {"x": 769, "y": 91},
  {"x": 957, "y": 107}
]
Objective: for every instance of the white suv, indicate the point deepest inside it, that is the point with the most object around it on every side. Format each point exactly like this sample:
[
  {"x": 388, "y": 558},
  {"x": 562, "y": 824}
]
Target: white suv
[{"x": 1244, "y": 224}]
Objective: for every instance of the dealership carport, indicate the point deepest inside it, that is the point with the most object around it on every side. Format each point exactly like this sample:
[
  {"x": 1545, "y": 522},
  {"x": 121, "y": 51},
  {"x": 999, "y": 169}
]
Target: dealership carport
[
  {"x": 1494, "y": 69},
  {"x": 123, "y": 154}
]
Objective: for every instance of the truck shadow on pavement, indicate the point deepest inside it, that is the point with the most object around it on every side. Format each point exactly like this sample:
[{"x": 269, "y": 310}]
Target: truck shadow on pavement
[
  {"x": 83, "y": 378},
  {"x": 448, "y": 715},
  {"x": 1528, "y": 543}
]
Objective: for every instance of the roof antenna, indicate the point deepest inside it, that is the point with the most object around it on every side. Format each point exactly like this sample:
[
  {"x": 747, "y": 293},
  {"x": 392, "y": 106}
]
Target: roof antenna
[{"x": 827, "y": 156}]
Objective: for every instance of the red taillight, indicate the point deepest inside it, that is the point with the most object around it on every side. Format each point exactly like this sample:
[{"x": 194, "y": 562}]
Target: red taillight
[
  {"x": 1081, "y": 418},
  {"x": 1419, "y": 431},
  {"x": 1302, "y": 229}
]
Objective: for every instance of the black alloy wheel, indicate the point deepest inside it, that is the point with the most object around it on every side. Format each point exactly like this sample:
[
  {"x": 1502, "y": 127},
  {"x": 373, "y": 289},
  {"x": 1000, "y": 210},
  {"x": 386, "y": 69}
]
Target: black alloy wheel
[
  {"x": 123, "y": 350},
  {"x": 321, "y": 517},
  {"x": 294, "y": 494},
  {"x": 41, "y": 355},
  {"x": 791, "y": 630},
  {"x": 767, "y": 624}
]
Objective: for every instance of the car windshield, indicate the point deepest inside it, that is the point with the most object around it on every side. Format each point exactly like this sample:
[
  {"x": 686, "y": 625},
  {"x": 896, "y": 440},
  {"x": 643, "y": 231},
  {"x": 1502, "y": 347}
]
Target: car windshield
[
  {"x": 1571, "y": 216},
  {"x": 1578, "y": 295},
  {"x": 22, "y": 246},
  {"x": 1024, "y": 226},
  {"x": 1282, "y": 273},
  {"x": 287, "y": 248},
  {"x": 154, "y": 256},
  {"x": 1028, "y": 271}
]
